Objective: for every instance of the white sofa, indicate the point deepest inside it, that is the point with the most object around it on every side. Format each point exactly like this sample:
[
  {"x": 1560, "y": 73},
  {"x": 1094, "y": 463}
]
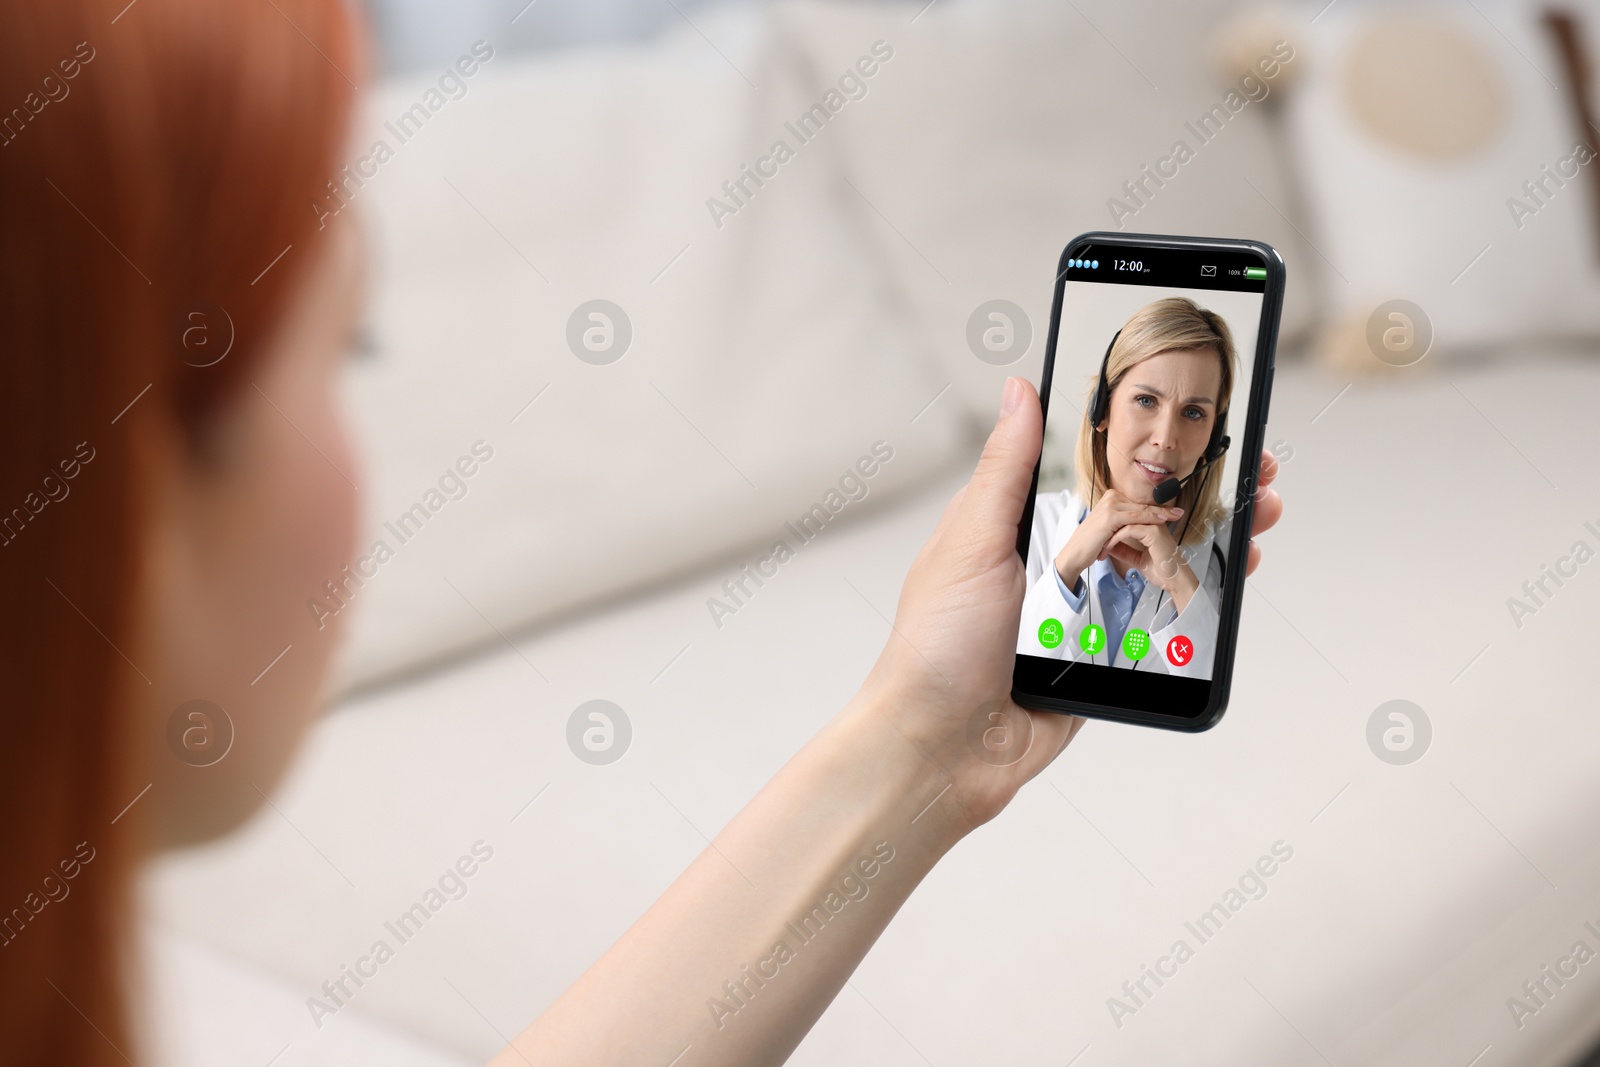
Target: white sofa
[{"x": 767, "y": 358}]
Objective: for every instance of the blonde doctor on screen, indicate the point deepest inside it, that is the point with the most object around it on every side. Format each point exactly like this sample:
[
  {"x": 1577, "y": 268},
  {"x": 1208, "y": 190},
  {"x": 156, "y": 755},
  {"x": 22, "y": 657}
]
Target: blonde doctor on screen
[{"x": 1104, "y": 559}]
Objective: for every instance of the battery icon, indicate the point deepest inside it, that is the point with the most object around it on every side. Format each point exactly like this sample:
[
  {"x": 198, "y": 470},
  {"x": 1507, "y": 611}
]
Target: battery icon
[{"x": 1257, "y": 273}]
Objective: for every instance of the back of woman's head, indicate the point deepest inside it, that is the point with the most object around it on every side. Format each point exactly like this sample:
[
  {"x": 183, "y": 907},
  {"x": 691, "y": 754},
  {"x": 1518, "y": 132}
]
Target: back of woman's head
[{"x": 158, "y": 163}]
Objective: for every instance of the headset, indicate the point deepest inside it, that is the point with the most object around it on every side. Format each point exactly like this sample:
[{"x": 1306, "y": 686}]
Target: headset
[{"x": 1099, "y": 411}]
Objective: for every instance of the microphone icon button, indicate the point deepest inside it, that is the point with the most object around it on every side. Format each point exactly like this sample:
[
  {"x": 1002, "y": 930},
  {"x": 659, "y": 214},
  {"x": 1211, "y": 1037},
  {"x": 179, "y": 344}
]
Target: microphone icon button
[{"x": 1092, "y": 638}]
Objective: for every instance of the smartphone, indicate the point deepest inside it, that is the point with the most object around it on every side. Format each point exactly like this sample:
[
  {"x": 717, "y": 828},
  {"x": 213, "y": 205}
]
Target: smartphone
[{"x": 1157, "y": 377}]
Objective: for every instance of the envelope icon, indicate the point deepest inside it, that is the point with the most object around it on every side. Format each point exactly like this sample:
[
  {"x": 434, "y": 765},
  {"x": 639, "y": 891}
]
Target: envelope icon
[{"x": 1208, "y": 272}]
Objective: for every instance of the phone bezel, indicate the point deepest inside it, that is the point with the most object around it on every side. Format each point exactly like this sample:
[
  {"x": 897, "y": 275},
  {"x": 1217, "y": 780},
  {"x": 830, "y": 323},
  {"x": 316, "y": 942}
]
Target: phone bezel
[{"x": 1215, "y": 700}]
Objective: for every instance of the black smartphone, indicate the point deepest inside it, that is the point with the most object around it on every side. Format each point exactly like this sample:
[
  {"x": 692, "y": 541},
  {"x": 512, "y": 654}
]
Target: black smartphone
[{"x": 1157, "y": 377}]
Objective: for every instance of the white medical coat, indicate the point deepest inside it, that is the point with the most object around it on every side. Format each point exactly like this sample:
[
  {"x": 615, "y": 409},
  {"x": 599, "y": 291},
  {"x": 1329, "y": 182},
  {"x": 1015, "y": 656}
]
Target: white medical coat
[{"x": 1055, "y": 517}]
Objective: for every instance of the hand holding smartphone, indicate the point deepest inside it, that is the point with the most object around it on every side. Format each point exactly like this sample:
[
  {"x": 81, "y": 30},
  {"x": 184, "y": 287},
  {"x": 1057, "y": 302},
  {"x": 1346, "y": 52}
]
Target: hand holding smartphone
[{"x": 1159, "y": 357}]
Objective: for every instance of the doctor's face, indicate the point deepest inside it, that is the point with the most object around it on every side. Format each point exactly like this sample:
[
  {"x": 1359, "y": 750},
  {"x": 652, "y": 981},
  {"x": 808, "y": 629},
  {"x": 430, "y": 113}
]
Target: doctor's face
[{"x": 1160, "y": 419}]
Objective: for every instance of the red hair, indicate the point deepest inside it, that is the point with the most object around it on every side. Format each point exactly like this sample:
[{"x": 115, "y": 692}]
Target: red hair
[{"x": 154, "y": 157}]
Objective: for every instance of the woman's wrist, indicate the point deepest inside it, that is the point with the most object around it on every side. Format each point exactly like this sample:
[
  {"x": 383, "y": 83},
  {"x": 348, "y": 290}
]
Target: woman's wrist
[
  {"x": 1069, "y": 575},
  {"x": 1182, "y": 586},
  {"x": 1070, "y": 570},
  {"x": 897, "y": 751}
]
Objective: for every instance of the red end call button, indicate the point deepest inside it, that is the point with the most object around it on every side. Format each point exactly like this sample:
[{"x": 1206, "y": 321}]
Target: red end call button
[{"x": 1180, "y": 650}]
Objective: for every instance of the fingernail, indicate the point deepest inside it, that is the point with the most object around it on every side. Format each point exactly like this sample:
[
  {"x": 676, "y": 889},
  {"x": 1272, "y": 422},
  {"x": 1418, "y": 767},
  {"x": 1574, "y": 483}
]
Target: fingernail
[
  {"x": 1011, "y": 397},
  {"x": 1176, "y": 512}
]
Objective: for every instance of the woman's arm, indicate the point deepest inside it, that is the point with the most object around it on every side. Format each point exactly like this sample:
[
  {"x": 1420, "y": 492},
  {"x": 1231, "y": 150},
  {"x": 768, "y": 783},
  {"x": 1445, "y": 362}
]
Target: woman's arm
[{"x": 742, "y": 954}]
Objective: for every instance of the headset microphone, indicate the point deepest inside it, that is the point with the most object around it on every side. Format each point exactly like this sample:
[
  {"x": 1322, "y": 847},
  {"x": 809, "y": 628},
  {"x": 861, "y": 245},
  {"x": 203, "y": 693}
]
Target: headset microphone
[{"x": 1167, "y": 490}]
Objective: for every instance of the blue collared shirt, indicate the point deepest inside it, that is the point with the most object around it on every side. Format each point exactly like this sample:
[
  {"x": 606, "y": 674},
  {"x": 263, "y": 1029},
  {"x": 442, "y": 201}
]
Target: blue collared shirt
[{"x": 1118, "y": 595}]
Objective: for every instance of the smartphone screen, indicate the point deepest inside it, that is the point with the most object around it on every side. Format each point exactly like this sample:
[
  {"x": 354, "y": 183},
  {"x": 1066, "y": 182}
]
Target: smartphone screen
[{"x": 1156, "y": 381}]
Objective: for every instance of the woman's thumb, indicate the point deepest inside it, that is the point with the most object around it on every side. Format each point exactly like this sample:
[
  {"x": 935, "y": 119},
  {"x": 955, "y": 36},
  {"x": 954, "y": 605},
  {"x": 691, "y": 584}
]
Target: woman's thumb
[{"x": 1000, "y": 485}]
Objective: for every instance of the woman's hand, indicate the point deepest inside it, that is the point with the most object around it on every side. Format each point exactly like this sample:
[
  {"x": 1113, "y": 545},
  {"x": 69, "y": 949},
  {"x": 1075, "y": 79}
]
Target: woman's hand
[
  {"x": 1151, "y": 549},
  {"x": 1112, "y": 513},
  {"x": 944, "y": 678}
]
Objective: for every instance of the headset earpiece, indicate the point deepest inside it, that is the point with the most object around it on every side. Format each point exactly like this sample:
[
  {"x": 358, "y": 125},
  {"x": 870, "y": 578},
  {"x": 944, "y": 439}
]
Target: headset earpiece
[{"x": 1100, "y": 404}]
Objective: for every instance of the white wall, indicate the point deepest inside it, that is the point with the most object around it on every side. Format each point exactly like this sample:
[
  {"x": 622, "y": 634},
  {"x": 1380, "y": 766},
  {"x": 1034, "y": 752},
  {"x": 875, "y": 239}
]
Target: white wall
[{"x": 422, "y": 33}]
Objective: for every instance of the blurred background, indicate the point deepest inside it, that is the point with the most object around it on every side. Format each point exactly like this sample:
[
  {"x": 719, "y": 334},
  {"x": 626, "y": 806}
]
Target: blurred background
[
  {"x": 415, "y": 34},
  {"x": 666, "y": 360}
]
